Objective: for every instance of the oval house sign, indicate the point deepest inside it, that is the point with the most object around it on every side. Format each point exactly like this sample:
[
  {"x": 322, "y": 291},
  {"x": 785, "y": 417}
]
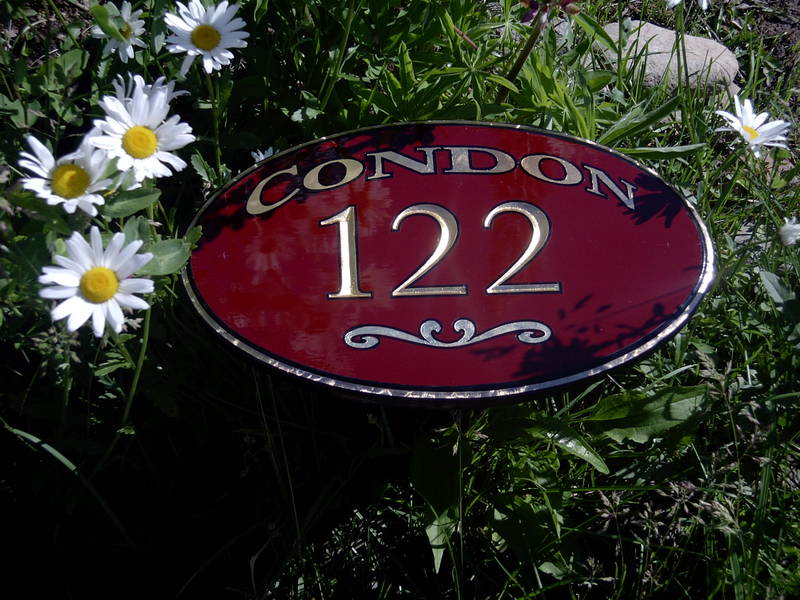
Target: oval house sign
[{"x": 448, "y": 261}]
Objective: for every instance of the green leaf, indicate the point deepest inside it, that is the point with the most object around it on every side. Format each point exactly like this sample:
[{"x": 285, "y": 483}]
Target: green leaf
[
  {"x": 54, "y": 216},
  {"x": 136, "y": 229},
  {"x": 439, "y": 533},
  {"x": 373, "y": 99},
  {"x": 169, "y": 256},
  {"x": 260, "y": 10},
  {"x": 105, "y": 22},
  {"x": 598, "y": 79},
  {"x": 305, "y": 114},
  {"x": 500, "y": 80},
  {"x": 553, "y": 569},
  {"x": 784, "y": 298},
  {"x": 110, "y": 367},
  {"x": 434, "y": 474},
  {"x": 569, "y": 440},
  {"x": 71, "y": 64},
  {"x": 662, "y": 153},
  {"x": 193, "y": 235},
  {"x": 594, "y": 30},
  {"x": 639, "y": 417},
  {"x": 22, "y": 116},
  {"x": 634, "y": 122},
  {"x": 158, "y": 29},
  {"x": 393, "y": 87},
  {"x": 775, "y": 288},
  {"x": 202, "y": 167},
  {"x": 527, "y": 523},
  {"x": 130, "y": 202},
  {"x": 407, "y": 76},
  {"x": 576, "y": 114}
]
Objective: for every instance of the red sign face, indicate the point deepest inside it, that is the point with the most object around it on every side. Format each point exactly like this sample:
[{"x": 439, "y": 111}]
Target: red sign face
[{"x": 448, "y": 261}]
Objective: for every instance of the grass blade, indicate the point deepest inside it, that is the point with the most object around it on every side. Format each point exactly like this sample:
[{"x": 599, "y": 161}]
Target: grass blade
[{"x": 37, "y": 443}]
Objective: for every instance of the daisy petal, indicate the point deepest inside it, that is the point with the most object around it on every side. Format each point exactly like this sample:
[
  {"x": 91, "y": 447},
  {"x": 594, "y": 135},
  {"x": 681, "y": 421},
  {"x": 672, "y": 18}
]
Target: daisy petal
[
  {"x": 66, "y": 307},
  {"x": 134, "y": 264},
  {"x": 79, "y": 315},
  {"x": 136, "y": 286},
  {"x": 131, "y": 301},
  {"x": 43, "y": 155},
  {"x": 97, "y": 246},
  {"x": 57, "y": 292},
  {"x": 114, "y": 314},
  {"x": 60, "y": 276},
  {"x": 79, "y": 251},
  {"x": 98, "y": 320},
  {"x": 113, "y": 250},
  {"x": 187, "y": 62},
  {"x": 124, "y": 256}
]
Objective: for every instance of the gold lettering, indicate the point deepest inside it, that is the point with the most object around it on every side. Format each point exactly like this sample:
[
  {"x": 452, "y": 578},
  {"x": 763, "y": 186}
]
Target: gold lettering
[
  {"x": 448, "y": 234},
  {"x": 352, "y": 167},
  {"x": 599, "y": 176},
  {"x": 531, "y": 164},
  {"x": 254, "y": 205},
  {"x": 348, "y": 254},
  {"x": 461, "y": 160},
  {"x": 423, "y": 168}
]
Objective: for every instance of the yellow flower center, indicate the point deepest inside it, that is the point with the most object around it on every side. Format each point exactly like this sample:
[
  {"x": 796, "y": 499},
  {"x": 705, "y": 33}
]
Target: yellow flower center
[
  {"x": 69, "y": 181},
  {"x": 205, "y": 37},
  {"x": 752, "y": 133},
  {"x": 139, "y": 141},
  {"x": 99, "y": 284},
  {"x": 126, "y": 31}
]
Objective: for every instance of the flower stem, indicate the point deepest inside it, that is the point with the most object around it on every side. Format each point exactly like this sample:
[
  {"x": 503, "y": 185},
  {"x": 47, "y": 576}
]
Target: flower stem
[
  {"x": 63, "y": 22},
  {"x": 131, "y": 392},
  {"x": 719, "y": 205},
  {"x": 11, "y": 92},
  {"x": 680, "y": 50},
  {"x": 215, "y": 123},
  {"x": 139, "y": 365},
  {"x": 334, "y": 76},
  {"x": 66, "y": 390},
  {"x": 536, "y": 31}
]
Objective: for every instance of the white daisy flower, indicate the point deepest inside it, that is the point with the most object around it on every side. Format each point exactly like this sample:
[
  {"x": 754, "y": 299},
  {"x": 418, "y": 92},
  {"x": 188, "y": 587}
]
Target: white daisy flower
[
  {"x": 124, "y": 91},
  {"x": 754, "y": 128},
  {"x": 790, "y": 232},
  {"x": 132, "y": 28},
  {"x": 674, "y": 3},
  {"x": 74, "y": 180},
  {"x": 138, "y": 134},
  {"x": 258, "y": 155},
  {"x": 95, "y": 283},
  {"x": 206, "y": 32}
]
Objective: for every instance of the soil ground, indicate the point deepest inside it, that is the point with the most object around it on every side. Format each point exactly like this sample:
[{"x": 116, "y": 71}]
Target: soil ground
[{"x": 778, "y": 23}]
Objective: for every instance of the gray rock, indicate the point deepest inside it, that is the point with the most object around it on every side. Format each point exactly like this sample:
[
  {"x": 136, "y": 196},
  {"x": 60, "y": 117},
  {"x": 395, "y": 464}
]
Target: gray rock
[{"x": 709, "y": 63}]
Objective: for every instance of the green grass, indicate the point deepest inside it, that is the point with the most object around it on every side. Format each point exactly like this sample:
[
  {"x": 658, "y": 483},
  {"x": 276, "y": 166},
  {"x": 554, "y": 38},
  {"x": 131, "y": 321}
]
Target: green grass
[{"x": 129, "y": 466}]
